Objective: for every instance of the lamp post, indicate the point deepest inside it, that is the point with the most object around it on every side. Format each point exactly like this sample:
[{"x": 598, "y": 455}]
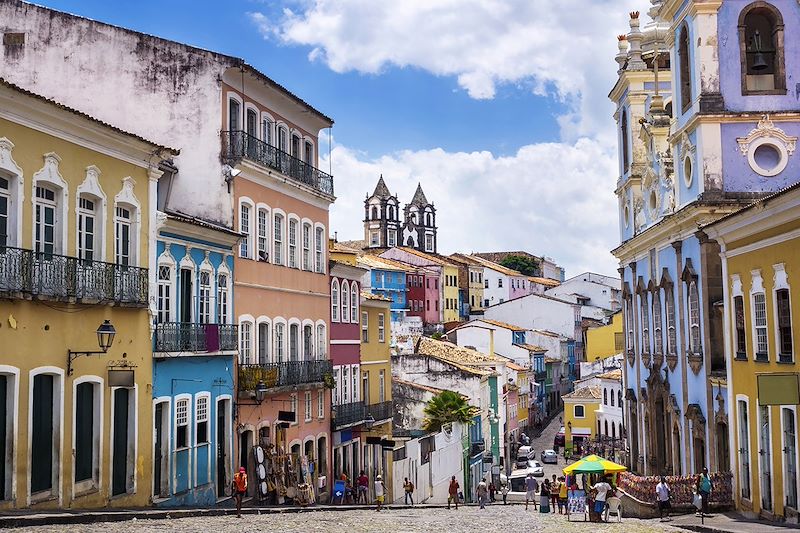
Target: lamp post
[{"x": 105, "y": 338}]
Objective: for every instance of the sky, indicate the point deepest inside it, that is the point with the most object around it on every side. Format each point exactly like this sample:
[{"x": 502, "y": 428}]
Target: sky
[{"x": 498, "y": 108}]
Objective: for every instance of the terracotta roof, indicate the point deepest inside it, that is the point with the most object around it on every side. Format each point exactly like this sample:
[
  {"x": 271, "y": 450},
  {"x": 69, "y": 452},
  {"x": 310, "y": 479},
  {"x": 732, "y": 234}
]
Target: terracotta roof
[
  {"x": 550, "y": 282},
  {"x": 382, "y": 263},
  {"x": 427, "y": 388},
  {"x": 548, "y": 333},
  {"x": 584, "y": 393},
  {"x": 504, "y": 325},
  {"x": 433, "y": 258},
  {"x": 355, "y": 245},
  {"x": 88, "y": 117},
  {"x": 514, "y": 366},
  {"x": 615, "y": 374},
  {"x": 371, "y": 296},
  {"x": 552, "y": 360},
  {"x": 343, "y": 248},
  {"x": 454, "y": 353},
  {"x": 532, "y": 347},
  {"x": 496, "y": 266}
]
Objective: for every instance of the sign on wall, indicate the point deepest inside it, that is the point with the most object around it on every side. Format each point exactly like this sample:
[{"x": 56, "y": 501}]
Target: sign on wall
[{"x": 778, "y": 389}]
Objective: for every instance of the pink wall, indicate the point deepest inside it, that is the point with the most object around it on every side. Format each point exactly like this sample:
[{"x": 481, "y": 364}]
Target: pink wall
[
  {"x": 513, "y": 423},
  {"x": 515, "y": 289},
  {"x": 432, "y": 295}
]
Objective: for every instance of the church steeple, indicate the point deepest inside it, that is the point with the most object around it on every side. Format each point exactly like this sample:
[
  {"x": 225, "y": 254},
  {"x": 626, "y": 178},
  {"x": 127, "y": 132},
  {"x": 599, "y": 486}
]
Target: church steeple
[
  {"x": 381, "y": 190},
  {"x": 419, "y": 230},
  {"x": 381, "y": 217},
  {"x": 419, "y": 197}
]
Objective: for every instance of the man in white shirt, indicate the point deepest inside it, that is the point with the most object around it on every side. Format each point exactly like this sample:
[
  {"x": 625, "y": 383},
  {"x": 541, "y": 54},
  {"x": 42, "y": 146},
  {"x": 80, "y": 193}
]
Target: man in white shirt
[
  {"x": 662, "y": 495},
  {"x": 602, "y": 489},
  {"x": 379, "y": 491}
]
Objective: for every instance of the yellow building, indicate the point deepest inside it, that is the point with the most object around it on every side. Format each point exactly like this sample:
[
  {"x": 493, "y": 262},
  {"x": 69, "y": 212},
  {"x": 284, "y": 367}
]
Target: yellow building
[
  {"x": 760, "y": 248},
  {"x": 76, "y": 209},
  {"x": 605, "y": 341},
  {"x": 470, "y": 277},
  {"x": 376, "y": 386},
  {"x": 580, "y": 419},
  {"x": 523, "y": 395}
]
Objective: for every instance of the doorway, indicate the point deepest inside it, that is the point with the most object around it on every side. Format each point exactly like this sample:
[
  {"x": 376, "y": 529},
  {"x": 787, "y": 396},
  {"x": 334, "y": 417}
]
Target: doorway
[
  {"x": 222, "y": 447},
  {"x": 160, "y": 451},
  {"x": 119, "y": 460}
]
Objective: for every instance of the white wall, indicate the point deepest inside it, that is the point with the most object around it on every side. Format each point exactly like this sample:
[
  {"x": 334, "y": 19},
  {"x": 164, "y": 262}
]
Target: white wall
[
  {"x": 599, "y": 294},
  {"x": 493, "y": 293},
  {"x": 476, "y": 335},
  {"x": 536, "y": 312}
]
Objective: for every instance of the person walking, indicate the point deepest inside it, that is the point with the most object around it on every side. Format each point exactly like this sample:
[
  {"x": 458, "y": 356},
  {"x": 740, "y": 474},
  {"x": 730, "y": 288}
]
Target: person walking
[
  {"x": 531, "y": 486},
  {"x": 492, "y": 490},
  {"x": 362, "y": 486},
  {"x": 662, "y": 495},
  {"x": 452, "y": 492},
  {"x": 239, "y": 486},
  {"x": 380, "y": 490},
  {"x": 409, "y": 488},
  {"x": 703, "y": 484},
  {"x": 504, "y": 491},
  {"x": 483, "y": 493}
]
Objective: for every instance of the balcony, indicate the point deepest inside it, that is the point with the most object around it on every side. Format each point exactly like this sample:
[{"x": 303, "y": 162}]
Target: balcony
[
  {"x": 237, "y": 145},
  {"x": 275, "y": 375},
  {"x": 349, "y": 414},
  {"x": 381, "y": 411},
  {"x": 188, "y": 337},
  {"x": 477, "y": 448},
  {"x": 25, "y": 273}
]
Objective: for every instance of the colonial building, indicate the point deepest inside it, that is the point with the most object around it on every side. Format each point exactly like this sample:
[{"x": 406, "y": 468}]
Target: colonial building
[
  {"x": 761, "y": 272},
  {"x": 382, "y": 225},
  {"x": 470, "y": 284},
  {"x": 691, "y": 88},
  {"x": 77, "y": 207}
]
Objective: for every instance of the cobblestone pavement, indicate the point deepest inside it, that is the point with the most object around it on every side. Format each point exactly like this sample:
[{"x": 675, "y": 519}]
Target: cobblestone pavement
[{"x": 467, "y": 519}]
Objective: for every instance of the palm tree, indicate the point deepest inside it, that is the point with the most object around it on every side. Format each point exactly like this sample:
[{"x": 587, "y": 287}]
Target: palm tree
[{"x": 445, "y": 408}]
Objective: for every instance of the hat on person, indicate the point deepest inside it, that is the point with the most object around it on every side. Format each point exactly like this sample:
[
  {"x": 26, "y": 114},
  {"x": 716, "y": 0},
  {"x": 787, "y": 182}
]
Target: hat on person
[
  {"x": 378, "y": 477},
  {"x": 242, "y": 469}
]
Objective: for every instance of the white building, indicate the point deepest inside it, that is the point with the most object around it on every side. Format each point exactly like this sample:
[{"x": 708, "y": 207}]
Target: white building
[
  {"x": 493, "y": 336},
  {"x": 538, "y": 312},
  {"x": 601, "y": 291}
]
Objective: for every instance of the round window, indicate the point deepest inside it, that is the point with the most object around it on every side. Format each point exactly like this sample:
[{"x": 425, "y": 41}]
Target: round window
[
  {"x": 767, "y": 157},
  {"x": 687, "y": 171},
  {"x": 627, "y": 215}
]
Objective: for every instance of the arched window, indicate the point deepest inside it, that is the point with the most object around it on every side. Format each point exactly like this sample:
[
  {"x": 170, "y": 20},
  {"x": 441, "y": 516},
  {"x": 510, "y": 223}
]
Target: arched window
[
  {"x": 308, "y": 343},
  {"x": 623, "y": 126},
  {"x": 294, "y": 342},
  {"x": 279, "y": 343},
  {"x": 694, "y": 318},
  {"x": 321, "y": 342},
  {"x": 374, "y": 213},
  {"x": 645, "y": 323},
  {"x": 761, "y": 49},
  {"x": 613, "y": 431},
  {"x": 669, "y": 299},
  {"x": 619, "y": 404},
  {"x": 605, "y": 427},
  {"x": 345, "y": 302},
  {"x": 335, "y": 301},
  {"x": 391, "y": 212},
  {"x": 612, "y": 398},
  {"x": 354, "y": 296},
  {"x": 658, "y": 341},
  {"x": 605, "y": 396},
  {"x": 684, "y": 69}
]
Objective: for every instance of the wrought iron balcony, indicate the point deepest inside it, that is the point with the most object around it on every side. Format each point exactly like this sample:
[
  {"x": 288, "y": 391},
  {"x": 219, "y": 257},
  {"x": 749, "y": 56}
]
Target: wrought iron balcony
[
  {"x": 349, "y": 414},
  {"x": 477, "y": 448},
  {"x": 287, "y": 374},
  {"x": 238, "y": 144},
  {"x": 25, "y": 273},
  {"x": 381, "y": 411},
  {"x": 189, "y": 337}
]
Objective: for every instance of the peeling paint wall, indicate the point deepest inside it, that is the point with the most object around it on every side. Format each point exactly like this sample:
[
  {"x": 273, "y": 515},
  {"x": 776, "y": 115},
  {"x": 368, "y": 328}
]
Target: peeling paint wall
[{"x": 171, "y": 91}]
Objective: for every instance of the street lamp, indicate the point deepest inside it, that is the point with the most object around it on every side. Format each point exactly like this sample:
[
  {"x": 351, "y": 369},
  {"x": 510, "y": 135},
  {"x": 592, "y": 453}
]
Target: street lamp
[
  {"x": 105, "y": 338},
  {"x": 261, "y": 391}
]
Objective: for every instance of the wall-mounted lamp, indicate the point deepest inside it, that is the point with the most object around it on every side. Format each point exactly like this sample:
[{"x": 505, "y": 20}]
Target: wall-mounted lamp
[
  {"x": 105, "y": 338},
  {"x": 261, "y": 392},
  {"x": 229, "y": 173}
]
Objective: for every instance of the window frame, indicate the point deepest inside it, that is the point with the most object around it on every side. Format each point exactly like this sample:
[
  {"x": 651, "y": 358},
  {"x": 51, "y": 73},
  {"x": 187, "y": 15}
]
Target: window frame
[
  {"x": 202, "y": 397},
  {"x": 186, "y": 400},
  {"x": 381, "y": 327},
  {"x": 779, "y": 77},
  {"x": 335, "y": 300},
  {"x": 759, "y": 323},
  {"x": 364, "y": 327},
  {"x": 782, "y": 334},
  {"x": 575, "y": 411},
  {"x": 278, "y": 226}
]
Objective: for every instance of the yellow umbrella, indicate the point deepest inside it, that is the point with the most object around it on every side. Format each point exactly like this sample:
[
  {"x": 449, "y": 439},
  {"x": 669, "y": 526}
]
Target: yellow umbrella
[{"x": 594, "y": 464}]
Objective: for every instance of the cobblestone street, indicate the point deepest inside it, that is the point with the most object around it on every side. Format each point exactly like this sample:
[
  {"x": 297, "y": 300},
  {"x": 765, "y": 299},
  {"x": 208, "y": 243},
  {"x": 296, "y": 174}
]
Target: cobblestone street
[{"x": 494, "y": 518}]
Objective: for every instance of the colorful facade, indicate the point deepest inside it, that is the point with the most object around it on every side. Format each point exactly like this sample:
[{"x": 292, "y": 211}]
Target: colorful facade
[
  {"x": 77, "y": 204},
  {"x": 580, "y": 417},
  {"x": 761, "y": 267},
  {"x": 195, "y": 343},
  {"x": 605, "y": 341},
  {"x": 388, "y": 278}
]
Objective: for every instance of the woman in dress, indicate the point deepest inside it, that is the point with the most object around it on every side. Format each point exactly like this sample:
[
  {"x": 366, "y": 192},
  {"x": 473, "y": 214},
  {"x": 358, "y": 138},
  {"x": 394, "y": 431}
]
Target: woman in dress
[{"x": 544, "y": 497}]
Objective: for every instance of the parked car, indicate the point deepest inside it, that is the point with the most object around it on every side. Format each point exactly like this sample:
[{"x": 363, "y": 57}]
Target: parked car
[
  {"x": 536, "y": 467},
  {"x": 558, "y": 440},
  {"x": 549, "y": 456},
  {"x": 524, "y": 455}
]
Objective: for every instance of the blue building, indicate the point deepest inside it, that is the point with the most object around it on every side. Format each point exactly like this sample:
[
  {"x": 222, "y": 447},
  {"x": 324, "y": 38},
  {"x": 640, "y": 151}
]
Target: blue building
[
  {"x": 387, "y": 278},
  {"x": 194, "y": 358},
  {"x": 709, "y": 131}
]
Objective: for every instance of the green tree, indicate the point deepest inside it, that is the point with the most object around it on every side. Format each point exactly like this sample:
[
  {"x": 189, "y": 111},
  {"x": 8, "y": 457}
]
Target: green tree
[
  {"x": 445, "y": 408},
  {"x": 521, "y": 263}
]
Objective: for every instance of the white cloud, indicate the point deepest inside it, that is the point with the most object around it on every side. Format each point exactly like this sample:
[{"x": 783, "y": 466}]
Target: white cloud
[
  {"x": 550, "y": 199},
  {"x": 562, "y": 48}
]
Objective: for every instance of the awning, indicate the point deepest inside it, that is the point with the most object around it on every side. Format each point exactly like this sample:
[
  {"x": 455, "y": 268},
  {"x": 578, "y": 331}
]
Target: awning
[{"x": 581, "y": 432}]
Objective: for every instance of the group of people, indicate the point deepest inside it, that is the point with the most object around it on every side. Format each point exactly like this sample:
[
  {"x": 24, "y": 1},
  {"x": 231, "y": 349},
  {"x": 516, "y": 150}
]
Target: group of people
[
  {"x": 358, "y": 494},
  {"x": 551, "y": 493},
  {"x": 702, "y": 490}
]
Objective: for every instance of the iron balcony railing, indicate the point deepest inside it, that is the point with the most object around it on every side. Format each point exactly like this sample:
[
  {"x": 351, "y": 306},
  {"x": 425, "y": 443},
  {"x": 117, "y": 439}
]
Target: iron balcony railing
[
  {"x": 25, "y": 273},
  {"x": 189, "y": 337},
  {"x": 287, "y": 374},
  {"x": 239, "y": 144},
  {"x": 380, "y": 411},
  {"x": 349, "y": 414}
]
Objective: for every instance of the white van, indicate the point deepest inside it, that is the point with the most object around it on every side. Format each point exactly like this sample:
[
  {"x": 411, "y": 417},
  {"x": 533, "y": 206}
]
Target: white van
[{"x": 524, "y": 454}]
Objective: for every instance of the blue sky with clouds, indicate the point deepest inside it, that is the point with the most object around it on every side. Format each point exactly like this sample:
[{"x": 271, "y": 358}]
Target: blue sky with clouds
[{"x": 497, "y": 107}]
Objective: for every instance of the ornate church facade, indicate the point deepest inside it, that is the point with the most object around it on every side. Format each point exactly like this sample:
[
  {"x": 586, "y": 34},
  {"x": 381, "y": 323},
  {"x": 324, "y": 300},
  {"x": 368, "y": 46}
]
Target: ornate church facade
[{"x": 383, "y": 227}]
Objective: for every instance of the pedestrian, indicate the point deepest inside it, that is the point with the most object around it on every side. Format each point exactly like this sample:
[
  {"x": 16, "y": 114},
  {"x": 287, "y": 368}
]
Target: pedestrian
[
  {"x": 452, "y": 492},
  {"x": 544, "y": 495},
  {"x": 492, "y": 490},
  {"x": 562, "y": 495},
  {"x": 531, "y": 486},
  {"x": 602, "y": 488},
  {"x": 662, "y": 495},
  {"x": 239, "y": 488},
  {"x": 483, "y": 493},
  {"x": 380, "y": 489},
  {"x": 504, "y": 491},
  {"x": 409, "y": 488},
  {"x": 362, "y": 486},
  {"x": 703, "y": 484},
  {"x": 555, "y": 488}
]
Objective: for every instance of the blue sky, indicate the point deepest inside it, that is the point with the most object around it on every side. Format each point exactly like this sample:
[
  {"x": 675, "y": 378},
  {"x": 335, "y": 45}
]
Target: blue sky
[{"x": 498, "y": 108}]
